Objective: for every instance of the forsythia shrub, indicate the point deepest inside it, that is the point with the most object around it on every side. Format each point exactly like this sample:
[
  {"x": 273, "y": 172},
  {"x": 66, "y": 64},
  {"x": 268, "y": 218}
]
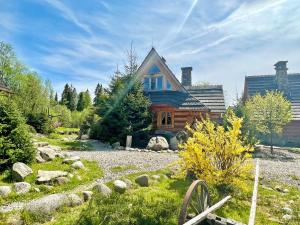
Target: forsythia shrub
[{"x": 215, "y": 154}]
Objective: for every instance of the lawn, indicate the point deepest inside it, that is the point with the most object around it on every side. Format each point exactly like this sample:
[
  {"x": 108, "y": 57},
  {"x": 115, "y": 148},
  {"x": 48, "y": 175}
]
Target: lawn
[
  {"x": 81, "y": 176},
  {"x": 160, "y": 204}
]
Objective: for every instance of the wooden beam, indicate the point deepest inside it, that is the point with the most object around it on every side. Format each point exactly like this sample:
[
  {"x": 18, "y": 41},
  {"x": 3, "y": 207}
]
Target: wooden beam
[
  {"x": 202, "y": 216},
  {"x": 254, "y": 196}
]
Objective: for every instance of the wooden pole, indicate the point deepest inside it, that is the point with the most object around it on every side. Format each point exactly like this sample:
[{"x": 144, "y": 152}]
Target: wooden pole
[
  {"x": 202, "y": 216},
  {"x": 254, "y": 196}
]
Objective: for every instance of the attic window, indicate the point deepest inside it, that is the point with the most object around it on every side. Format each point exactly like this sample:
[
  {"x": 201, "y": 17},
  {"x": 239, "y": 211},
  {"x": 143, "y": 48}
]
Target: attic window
[{"x": 153, "y": 70}]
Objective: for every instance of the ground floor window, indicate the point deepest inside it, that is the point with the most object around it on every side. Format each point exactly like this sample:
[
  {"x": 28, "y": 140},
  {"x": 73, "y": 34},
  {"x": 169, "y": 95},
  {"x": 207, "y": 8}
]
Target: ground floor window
[{"x": 165, "y": 118}]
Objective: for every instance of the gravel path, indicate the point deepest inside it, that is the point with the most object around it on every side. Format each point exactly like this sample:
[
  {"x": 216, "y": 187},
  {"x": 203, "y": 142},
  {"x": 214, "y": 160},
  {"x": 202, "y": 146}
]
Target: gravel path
[
  {"x": 283, "y": 166},
  {"x": 143, "y": 161}
]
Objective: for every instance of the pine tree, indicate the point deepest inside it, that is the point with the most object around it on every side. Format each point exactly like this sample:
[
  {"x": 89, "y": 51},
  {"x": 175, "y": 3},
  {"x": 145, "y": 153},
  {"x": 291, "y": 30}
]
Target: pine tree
[
  {"x": 73, "y": 99},
  {"x": 126, "y": 110},
  {"x": 56, "y": 98},
  {"x": 84, "y": 100},
  {"x": 65, "y": 96}
]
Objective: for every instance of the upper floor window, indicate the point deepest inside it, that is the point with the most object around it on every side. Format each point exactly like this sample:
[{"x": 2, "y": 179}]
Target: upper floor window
[
  {"x": 153, "y": 83},
  {"x": 153, "y": 70},
  {"x": 169, "y": 85}
]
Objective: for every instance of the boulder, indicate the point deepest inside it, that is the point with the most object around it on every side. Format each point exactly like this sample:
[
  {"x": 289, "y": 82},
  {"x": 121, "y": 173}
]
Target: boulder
[
  {"x": 87, "y": 195},
  {"x": 158, "y": 143},
  {"x": 48, "y": 176},
  {"x": 38, "y": 158},
  {"x": 128, "y": 182},
  {"x": 287, "y": 210},
  {"x": 142, "y": 180},
  {"x": 55, "y": 148},
  {"x": 47, "y": 153},
  {"x": 78, "y": 165},
  {"x": 41, "y": 144},
  {"x": 61, "y": 180},
  {"x": 71, "y": 159},
  {"x": 120, "y": 186},
  {"x": 103, "y": 189},
  {"x": 74, "y": 200},
  {"x": 287, "y": 217},
  {"x": 47, "y": 204},
  {"x": 5, "y": 191},
  {"x": 20, "y": 171},
  {"x": 156, "y": 177},
  {"x": 116, "y": 145},
  {"x": 15, "y": 220},
  {"x": 22, "y": 187}
]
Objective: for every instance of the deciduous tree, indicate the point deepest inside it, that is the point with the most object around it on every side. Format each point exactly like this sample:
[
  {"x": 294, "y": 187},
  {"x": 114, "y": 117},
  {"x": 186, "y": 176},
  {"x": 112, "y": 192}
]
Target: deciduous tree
[{"x": 269, "y": 113}]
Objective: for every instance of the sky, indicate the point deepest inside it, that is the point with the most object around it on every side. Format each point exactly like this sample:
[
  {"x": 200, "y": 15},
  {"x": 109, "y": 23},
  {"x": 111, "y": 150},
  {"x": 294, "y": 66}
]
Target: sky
[{"x": 82, "y": 42}]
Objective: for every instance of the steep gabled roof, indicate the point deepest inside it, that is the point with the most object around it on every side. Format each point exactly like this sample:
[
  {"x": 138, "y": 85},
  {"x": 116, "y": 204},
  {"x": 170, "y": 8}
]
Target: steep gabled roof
[
  {"x": 153, "y": 56},
  {"x": 210, "y": 95},
  {"x": 261, "y": 83}
]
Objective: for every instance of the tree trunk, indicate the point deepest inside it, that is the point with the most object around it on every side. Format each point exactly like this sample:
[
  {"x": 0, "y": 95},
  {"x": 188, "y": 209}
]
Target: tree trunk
[{"x": 271, "y": 142}]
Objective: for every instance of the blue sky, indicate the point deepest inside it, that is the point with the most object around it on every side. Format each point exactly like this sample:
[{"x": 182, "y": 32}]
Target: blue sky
[{"x": 81, "y": 42}]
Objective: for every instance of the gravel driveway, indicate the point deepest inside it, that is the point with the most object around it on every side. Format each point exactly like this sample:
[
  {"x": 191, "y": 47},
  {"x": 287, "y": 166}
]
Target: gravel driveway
[
  {"x": 283, "y": 166},
  {"x": 143, "y": 161}
]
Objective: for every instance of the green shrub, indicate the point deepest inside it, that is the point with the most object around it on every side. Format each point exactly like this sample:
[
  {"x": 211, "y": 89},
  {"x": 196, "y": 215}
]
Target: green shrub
[
  {"x": 148, "y": 207},
  {"x": 15, "y": 144},
  {"x": 41, "y": 122}
]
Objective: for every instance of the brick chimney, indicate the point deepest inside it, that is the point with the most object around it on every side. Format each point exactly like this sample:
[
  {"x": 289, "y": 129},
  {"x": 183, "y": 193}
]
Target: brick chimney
[
  {"x": 186, "y": 76},
  {"x": 281, "y": 75}
]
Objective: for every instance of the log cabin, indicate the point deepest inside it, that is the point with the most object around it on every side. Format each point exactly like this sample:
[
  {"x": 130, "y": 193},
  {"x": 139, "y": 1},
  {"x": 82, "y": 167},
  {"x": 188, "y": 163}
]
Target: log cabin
[
  {"x": 175, "y": 103},
  {"x": 289, "y": 85}
]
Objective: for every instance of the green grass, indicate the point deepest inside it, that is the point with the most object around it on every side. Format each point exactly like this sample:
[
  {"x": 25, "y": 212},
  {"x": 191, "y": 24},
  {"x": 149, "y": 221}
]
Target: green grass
[
  {"x": 67, "y": 145},
  {"x": 81, "y": 176},
  {"x": 171, "y": 192},
  {"x": 67, "y": 130},
  {"x": 117, "y": 169}
]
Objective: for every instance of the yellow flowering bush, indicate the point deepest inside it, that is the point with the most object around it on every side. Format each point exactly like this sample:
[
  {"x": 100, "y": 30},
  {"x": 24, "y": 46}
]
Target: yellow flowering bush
[{"x": 216, "y": 154}]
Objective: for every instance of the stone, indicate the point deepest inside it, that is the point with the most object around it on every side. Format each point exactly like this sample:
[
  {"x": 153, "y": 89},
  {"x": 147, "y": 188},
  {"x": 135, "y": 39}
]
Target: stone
[
  {"x": 36, "y": 189},
  {"x": 5, "y": 191},
  {"x": 55, "y": 148},
  {"x": 15, "y": 220},
  {"x": 20, "y": 171},
  {"x": 77, "y": 165},
  {"x": 116, "y": 145},
  {"x": 120, "y": 186},
  {"x": 170, "y": 151},
  {"x": 41, "y": 144},
  {"x": 103, "y": 189},
  {"x": 70, "y": 175},
  {"x": 266, "y": 188},
  {"x": 287, "y": 217},
  {"x": 128, "y": 182},
  {"x": 47, "y": 153},
  {"x": 38, "y": 158},
  {"x": 287, "y": 210},
  {"x": 285, "y": 190},
  {"x": 278, "y": 188},
  {"x": 22, "y": 187},
  {"x": 71, "y": 159},
  {"x": 87, "y": 195},
  {"x": 142, "y": 180},
  {"x": 158, "y": 143},
  {"x": 48, "y": 176},
  {"x": 291, "y": 201},
  {"x": 61, "y": 180},
  {"x": 74, "y": 200},
  {"x": 47, "y": 204},
  {"x": 156, "y": 177}
]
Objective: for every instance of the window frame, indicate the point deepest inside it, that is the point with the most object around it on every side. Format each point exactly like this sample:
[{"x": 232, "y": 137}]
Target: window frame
[{"x": 165, "y": 113}]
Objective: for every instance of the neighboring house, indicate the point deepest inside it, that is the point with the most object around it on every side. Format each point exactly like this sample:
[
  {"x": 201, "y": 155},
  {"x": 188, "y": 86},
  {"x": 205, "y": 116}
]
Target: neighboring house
[
  {"x": 174, "y": 103},
  {"x": 289, "y": 84}
]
